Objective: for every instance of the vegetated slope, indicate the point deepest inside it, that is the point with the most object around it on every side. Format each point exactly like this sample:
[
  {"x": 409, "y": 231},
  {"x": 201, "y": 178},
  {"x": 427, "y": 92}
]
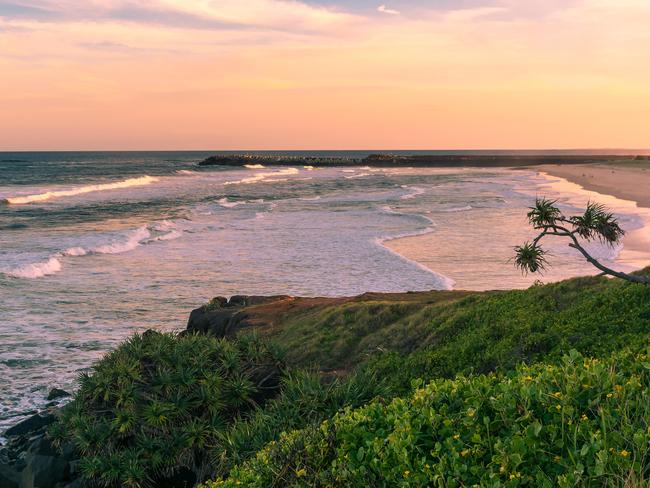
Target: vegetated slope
[
  {"x": 202, "y": 396},
  {"x": 454, "y": 332},
  {"x": 580, "y": 422},
  {"x": 434, "y": 335}
]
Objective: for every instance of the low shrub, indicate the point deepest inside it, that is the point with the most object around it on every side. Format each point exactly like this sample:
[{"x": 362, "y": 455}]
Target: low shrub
[
  {"x": 148, "y": 410},
  {"x": 306, "y": 400},
  {"x": 580, "y": 422}
]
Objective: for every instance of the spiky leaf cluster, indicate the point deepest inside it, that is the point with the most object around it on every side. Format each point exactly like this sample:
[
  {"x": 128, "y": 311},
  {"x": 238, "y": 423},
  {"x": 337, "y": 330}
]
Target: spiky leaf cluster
[
  {"x": 544, "y": 213},
  {"x": 530, "y": 258},
  {"x": 147, "y": 410},
  {"x": 596, "y": 223}
]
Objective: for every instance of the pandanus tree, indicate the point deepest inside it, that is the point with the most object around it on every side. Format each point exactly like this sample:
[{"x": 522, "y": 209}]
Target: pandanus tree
[{"x": 595, "y": 224}]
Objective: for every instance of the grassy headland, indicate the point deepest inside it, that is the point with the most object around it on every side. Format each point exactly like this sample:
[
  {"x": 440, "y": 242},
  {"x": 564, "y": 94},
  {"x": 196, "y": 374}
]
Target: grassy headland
[{"x": 396, "y": 390}]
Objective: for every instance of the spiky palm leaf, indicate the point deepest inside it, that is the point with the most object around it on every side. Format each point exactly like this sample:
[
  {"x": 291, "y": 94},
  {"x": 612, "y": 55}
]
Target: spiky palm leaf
[
  {"x": 597, "y": 223},
  {"x": 158, "y": 397},
  {"x": 530, "y": 258},
  {"x": 544, "y": 213}
]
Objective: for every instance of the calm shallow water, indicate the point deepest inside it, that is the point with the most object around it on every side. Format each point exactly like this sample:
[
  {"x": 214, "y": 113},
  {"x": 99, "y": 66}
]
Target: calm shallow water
[{"x": 96, "y": 246}]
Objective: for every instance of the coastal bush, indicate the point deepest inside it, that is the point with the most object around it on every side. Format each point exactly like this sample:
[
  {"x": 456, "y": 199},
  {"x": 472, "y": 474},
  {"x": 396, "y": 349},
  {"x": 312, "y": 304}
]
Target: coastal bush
[
  {"x": 148, "y": 411},
  {"x": 578, "y": 422},
  {"x": 306, "y": 399}
]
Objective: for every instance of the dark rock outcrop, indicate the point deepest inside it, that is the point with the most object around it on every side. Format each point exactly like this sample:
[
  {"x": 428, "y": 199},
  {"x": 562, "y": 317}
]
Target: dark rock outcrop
[
  {"x": 224, "y": 318},
  {"x": 56, "y": 393},
  {"x": 29, "y": 460},
  {"x": 32, "y": 424},
  {"x": 240, "y": 160},
  {"x": 497, "y": 159}
]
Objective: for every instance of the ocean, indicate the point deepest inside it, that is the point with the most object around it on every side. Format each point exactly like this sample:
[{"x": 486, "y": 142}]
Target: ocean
[{"x": 96, "y": 246}]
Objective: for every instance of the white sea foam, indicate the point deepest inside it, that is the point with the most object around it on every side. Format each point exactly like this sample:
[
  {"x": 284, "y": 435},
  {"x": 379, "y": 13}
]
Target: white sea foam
[
  {"x": 167, "y": 231},
  {"x": 35, "y": 270},
  {"x": 458, "y": 209},
  {"x": 75, "y": 251},
  {"x": 360, "y": 175},
  {"x": 224, "y": 202},
  {"x": 309, "y": 168},
  {"x": 119, "y": 246},
  {"x": 254, "y": 166},
  {"x": 170, "y": 236},
  {"x": 414, "y": 191},
  {"x": 259, "y": 177},
  {"x": 187, "y": 172},
  {"x": 41, "y": 197}
]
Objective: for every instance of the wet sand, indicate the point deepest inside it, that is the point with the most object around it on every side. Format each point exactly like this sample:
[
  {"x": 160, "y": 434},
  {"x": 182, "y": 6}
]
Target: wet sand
[
  {"x": 627, "y": 181},
  {"x": 613, "y": 185}
]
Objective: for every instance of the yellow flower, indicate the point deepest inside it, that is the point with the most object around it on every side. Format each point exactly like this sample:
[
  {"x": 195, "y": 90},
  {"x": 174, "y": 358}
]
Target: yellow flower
[
  {"x": 457, "y": 436},
  {"x": 584, "y": 418},
  {"x": 558, "y": 407},
  {"x": 609, "y": 395},
  {"x": 427, "y": 466},
  {"x": 557, "y": 459},
  {"x": 528, "y": 378},
  {"x": 618, "y": 387},
  {"x": 557, "y": 394},
  {"x": 471, "y": 412},
  {"x": 625, "y": 453},
  {"x": 407, "y": 473},
  {"x": 464, "y": 452},
  {"x": 301, "y": 472}
]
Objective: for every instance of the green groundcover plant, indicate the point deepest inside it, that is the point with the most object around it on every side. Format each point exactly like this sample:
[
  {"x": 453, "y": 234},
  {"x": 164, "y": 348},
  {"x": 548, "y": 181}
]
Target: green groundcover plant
[
  {"x": 578, "y": 422},
  {"x": 148, "y": 410}
]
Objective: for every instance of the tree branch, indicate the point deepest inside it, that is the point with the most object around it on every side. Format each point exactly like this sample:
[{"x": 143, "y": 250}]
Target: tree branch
[{"x": 576, "y": 245}]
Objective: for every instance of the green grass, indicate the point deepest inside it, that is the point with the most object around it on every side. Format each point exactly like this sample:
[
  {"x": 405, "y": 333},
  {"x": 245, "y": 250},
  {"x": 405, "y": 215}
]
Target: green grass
[
  {"x": 579, "y": 422},
  {"x": 480, "y": 331}
]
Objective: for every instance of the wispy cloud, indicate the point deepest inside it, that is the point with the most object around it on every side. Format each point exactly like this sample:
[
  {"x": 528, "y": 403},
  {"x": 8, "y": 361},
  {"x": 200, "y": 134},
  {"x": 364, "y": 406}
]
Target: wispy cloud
[
  {"x": 288, "y": 73},
  {"x": 385, "y": 10},
  {"x": 209, "y": 14}
]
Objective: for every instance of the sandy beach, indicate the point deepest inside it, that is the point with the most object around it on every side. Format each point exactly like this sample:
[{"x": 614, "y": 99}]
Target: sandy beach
[
  {"x": 629, "y": 181},
  {"x": 628, "y": 184}
]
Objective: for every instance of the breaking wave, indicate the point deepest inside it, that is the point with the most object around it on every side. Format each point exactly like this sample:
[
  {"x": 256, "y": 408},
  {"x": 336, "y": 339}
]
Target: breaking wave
[
  {"x": 162, "y": 231},
  {"x": 414, "y": 192},
  {"x": 36, "y": 270},
  {"x": 42, "y": 197},
  {"x": 260, "y": 177}
]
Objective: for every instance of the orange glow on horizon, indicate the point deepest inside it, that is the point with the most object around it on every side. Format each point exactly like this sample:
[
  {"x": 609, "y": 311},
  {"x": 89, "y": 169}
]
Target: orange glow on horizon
[{"x": 291, "y": 75}]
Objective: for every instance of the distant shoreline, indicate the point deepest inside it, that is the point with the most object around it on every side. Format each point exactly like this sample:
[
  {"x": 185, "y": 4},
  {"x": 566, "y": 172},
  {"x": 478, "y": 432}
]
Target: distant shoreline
[
  {"x": 420, "y": 160},
  {"x": 628, "y": 180}
]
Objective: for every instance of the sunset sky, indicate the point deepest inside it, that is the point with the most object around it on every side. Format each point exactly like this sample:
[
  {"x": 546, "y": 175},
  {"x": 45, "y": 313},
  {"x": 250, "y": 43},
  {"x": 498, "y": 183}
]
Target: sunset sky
[{"x": 274, "y": 74}]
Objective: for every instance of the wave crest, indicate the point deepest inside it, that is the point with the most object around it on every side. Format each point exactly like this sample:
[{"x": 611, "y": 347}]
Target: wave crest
[
  {"x": 260, "y": 177},
  {"x": 35, "y": 270},
  {"x": 42, "y": 197}
]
